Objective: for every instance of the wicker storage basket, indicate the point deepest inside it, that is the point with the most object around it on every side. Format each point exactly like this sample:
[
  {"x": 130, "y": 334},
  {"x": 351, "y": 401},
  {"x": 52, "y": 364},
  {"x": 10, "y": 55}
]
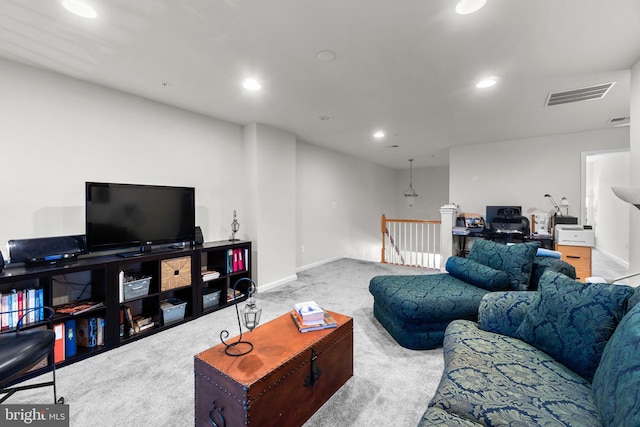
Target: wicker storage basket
[{"x": 175, "y": 273}]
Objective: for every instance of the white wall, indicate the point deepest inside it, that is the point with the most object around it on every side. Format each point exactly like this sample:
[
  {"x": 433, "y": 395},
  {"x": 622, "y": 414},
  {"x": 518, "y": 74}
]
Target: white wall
[
  {"x": 634, "y": 226},
  {"x": 340, "y": 201},
  {"x": 606, "y": 212},
  {"x": 432, "y": 186},
  {"x": 271, "y": 156},
  {"x": 521, "y": 172},
  {"x": 57, "y": 132}
]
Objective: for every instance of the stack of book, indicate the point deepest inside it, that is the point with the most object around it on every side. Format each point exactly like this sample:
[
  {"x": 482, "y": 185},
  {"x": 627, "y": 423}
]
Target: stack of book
[
  {"x": 233, "y": 295},
  {"x": 78, "y": 307},
  {"x": 209, "y": 274},
  {"x": 309, "y": 316},
  {"x": 142, "y": 323}
]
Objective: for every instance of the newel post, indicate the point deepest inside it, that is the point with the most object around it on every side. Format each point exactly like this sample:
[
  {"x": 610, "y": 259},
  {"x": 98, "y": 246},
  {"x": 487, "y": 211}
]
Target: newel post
[
  {"x": 448, "y": 215},
  {"x": 383, "y": 229}
]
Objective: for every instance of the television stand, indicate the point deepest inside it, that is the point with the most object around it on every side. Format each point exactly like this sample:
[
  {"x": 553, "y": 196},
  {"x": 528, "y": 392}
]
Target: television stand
[
  {"x": 137, "y": 285},
  {"x": 146, "y": 250}
]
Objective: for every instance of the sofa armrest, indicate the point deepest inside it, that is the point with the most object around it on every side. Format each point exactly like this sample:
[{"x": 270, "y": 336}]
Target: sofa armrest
[{"x": 502, "y": 312}]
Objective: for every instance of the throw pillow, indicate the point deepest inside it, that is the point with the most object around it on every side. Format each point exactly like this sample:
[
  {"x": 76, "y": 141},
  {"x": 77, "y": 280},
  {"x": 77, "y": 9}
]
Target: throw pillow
[
  {"x": 516, "y": 260},
  {"x": 477, "y": 274},
  {"x": 572, "y": 321},
  {"x": 616, "y": 383}
]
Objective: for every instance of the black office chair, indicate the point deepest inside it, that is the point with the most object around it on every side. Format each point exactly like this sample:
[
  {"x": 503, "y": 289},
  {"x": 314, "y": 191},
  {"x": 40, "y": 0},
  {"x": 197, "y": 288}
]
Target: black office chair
[
  {"x": 509, "y": 225},
  {"x": 20, "y": 350}
]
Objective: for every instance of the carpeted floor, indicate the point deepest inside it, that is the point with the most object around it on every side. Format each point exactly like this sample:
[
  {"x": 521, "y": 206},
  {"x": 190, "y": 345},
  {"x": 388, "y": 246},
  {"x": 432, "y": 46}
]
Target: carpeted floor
[{"x": 151, "y": 381}]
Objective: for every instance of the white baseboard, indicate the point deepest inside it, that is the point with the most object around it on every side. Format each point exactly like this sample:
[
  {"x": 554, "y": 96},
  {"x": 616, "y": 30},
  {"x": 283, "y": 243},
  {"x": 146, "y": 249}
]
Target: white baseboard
[
  {"x": 267, "y": 286},
  {"x": 610, "y": 255},
  {"x": 319, "y": 263}
]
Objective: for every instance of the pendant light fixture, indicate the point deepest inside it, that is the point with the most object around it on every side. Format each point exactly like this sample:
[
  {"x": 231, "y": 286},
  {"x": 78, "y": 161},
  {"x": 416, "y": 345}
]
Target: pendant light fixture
[{"x": 410, "y": 194}]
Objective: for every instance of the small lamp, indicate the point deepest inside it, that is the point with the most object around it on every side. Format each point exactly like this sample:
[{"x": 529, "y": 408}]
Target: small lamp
[
  {"x": 565, "y": 204},
  {"x": 555, "y": 205},
  {"x": 250, "y": 317}
]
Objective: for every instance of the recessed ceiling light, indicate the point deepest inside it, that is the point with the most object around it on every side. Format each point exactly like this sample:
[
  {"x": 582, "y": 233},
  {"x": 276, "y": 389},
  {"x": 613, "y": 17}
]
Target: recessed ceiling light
[
  {"x": 482, "y": 84},
  {"x": 79, "y": 8},
  {"x": 379, "y": 134},
  {"x": 465, "y": 7},
  {"x": 251, "y": 84},
  {"x": 326, "y": 55}
]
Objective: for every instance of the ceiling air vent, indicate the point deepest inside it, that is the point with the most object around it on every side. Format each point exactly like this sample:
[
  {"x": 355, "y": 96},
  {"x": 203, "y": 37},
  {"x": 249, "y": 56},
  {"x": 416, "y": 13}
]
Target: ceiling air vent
[{"x": 584, "y": 94}]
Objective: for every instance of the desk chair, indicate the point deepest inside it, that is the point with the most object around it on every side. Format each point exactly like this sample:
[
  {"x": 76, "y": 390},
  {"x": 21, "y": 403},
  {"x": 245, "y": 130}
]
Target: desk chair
[
  {"x": 20, "y": 350},
  {"x": 509, "y": 226}
]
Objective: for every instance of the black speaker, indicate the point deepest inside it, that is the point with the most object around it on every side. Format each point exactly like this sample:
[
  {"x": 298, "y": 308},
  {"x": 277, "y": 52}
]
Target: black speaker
[
  {"x": 1, "y": 261},
  {"x": 199, "y": 236},
  {"x": 47, "y": 249}
]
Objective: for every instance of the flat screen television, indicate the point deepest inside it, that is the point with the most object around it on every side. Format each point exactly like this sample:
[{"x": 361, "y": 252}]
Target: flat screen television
[{"x": 132, "y": 215}]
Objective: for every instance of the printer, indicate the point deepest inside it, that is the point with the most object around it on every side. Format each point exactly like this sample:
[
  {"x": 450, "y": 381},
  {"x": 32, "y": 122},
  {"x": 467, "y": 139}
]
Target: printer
[{"x": 574, "y": 235}]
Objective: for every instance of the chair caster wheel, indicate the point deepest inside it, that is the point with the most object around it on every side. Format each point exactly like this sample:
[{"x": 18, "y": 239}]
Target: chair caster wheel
[{"x": 60, "y": 400}]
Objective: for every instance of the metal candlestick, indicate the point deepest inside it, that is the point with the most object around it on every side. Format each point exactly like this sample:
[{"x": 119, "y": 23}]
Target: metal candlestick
[
  {"x": 235, "y": 226},
  {"x": 251, "y": 318}
]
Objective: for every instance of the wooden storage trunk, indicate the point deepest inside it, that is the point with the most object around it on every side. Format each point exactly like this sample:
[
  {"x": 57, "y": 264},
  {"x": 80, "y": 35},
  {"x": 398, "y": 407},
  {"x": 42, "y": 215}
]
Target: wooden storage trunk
[
  {"x": 175, "y": 273},
  {"x": 287, "y": 377}
]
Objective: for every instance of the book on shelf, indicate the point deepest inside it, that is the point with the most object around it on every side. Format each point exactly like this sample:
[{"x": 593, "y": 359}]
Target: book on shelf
[
  {"x": 327, "y": 322},
  {"x": 142, "y": 323},
  {"x": 87, "y": 332},
  {"x": 18, "y": 302},
  {"x": 237, "y": 260},
  {"x": 209, "y": 275},
  {"x": 233, "y": 295},
  {"x": 58, "y": 347},
  {"x": 309, "y": 312},
  {"x": 78, "y": 307}
]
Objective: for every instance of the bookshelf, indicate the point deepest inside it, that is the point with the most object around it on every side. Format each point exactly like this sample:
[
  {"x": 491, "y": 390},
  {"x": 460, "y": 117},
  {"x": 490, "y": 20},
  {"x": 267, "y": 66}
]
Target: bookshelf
[{"x": 165, "y": 289}]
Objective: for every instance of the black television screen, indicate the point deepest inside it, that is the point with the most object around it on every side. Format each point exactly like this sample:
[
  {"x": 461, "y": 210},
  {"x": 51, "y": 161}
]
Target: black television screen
[{"x": 130, "y": 215}]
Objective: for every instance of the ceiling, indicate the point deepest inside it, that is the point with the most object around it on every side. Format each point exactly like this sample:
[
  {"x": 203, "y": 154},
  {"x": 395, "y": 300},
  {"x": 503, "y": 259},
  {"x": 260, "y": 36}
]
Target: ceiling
[{"x": 407, "y": 67}]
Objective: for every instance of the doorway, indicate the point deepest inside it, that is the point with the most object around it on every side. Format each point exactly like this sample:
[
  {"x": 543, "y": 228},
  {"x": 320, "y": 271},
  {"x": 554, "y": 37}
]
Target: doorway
[{"x": 601, "y": 209}]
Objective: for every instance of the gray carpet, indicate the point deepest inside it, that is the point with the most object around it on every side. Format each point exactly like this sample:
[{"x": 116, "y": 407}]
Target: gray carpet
[
  {"x": 151, "y": 381},
  {"x": 606, "y": 266}
]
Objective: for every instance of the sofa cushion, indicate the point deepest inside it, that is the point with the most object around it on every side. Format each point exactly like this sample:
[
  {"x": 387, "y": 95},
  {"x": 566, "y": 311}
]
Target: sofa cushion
[
  {"x": 437, "y": 417},
  {"x": 426, "y": 298},
  {"x": 616, "y": 383},
  {"x": 572, "y": 321},
  {"x": 541, "y": 264},
  {"x": 516, "y": 260},
  {"x": 477, "y": 274},
  {"x": 495, "y": 379}
]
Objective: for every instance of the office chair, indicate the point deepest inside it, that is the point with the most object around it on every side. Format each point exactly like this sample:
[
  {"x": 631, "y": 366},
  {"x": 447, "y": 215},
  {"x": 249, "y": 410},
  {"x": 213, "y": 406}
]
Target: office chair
[
  {"x": 509, "y": 225},
  {"x": 20, "y": 350}
]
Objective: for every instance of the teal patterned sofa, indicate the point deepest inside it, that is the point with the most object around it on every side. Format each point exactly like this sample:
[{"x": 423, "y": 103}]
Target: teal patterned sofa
[
  {"x": 416, "y": 309},
  {"x": 566, "y": 355}
]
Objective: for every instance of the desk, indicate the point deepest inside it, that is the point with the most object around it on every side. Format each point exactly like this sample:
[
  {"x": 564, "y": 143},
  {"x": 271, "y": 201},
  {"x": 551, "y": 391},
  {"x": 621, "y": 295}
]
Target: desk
[
  {"x": 460, "y": 241},
  {"x": 579, "y": 257}
]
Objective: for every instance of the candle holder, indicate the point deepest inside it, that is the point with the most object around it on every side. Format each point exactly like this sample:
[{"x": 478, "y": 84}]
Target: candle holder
[
  {"x": 235, "y": 226},
  {"x": 250, "y": 317}
]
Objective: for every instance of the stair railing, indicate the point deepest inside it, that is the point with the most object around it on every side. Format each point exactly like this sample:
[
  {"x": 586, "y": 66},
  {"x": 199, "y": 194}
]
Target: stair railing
[{"x": 410, "y": 242}]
